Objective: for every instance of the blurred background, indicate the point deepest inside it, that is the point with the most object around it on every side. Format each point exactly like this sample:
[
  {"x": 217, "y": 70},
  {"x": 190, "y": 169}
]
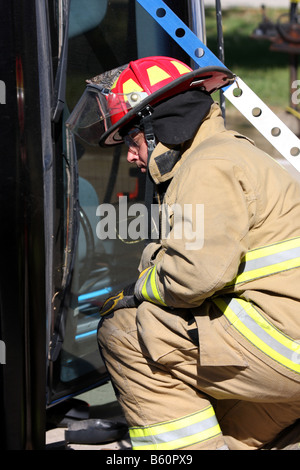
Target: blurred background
[{"x": 261, "y": 46}]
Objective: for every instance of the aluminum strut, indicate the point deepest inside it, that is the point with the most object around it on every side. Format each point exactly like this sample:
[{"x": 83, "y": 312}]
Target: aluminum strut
[{"x": 239, "y": 94}]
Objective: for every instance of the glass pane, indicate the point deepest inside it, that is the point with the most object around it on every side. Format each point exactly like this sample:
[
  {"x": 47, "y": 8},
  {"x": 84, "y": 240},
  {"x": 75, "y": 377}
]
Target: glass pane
[{"x": 102, "y": 35}]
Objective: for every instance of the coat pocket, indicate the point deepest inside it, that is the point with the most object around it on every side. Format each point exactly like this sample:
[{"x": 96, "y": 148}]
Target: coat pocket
[{"x": 216, "y": 345}]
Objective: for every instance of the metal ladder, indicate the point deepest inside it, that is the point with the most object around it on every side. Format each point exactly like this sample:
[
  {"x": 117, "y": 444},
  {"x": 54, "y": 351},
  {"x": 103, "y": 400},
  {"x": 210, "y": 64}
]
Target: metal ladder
[{"x": 239, "y": 94}]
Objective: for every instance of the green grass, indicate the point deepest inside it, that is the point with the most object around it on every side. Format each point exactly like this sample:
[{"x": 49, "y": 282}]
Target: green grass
[{"x": 265, "y": 72}]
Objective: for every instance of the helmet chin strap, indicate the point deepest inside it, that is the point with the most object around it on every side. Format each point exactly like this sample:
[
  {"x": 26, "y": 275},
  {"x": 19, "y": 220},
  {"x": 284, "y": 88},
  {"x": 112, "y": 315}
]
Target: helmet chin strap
[{"x": 146, "y": 121}]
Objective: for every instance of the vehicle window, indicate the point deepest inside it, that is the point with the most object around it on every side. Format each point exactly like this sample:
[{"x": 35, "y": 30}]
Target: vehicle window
[{"x": 102, "y": 35}]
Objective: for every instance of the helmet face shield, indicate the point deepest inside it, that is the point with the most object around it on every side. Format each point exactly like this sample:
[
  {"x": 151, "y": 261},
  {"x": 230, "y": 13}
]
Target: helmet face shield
[
  {"x": 86, "y": 121},
  {"x": 95, "y": 113},
  {"x": 115, "y": 98},
  {"x": 100, "y": 107}
]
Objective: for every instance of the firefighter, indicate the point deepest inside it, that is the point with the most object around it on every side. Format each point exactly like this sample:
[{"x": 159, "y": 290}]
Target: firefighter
[{"x": 203, "y": 349}]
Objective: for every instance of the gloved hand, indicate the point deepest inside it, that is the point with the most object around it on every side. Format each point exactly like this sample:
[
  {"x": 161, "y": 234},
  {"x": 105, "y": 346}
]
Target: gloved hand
[{"x": 124, "y": 299}]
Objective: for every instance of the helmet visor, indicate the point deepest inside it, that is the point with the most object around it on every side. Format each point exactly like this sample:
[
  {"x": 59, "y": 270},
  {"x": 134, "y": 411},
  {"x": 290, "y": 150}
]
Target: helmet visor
[{"x": 88, "y": 119}]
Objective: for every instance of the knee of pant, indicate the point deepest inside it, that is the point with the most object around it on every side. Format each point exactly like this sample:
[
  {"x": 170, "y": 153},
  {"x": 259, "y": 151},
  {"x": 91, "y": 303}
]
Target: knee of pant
[
  {"x": 154, "y": 321},
  {"x": 103, "y": 326},
  {"x": 115, "y": 323}
]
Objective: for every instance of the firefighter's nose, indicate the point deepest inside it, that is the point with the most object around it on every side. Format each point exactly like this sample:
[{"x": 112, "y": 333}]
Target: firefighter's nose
[{"x": 132, "y": 156}]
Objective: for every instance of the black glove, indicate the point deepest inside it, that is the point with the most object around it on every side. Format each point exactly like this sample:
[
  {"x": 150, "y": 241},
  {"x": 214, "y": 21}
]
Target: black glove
[{"x": 124, "y": 299}]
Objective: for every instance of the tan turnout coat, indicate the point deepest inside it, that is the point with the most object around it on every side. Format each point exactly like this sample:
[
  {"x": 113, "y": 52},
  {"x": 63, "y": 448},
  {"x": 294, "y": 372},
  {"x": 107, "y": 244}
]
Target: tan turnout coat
[
  {"x": 248, "y": 201},
  {"x": 164, "y": 376}
]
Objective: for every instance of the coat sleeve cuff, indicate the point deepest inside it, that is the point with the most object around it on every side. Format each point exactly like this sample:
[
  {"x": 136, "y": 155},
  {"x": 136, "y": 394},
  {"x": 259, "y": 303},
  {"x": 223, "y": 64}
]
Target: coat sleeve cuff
[{"x": 146, "y": 287}]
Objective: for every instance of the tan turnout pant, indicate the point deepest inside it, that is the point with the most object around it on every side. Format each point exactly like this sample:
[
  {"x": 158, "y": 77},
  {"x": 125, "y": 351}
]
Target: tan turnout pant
[{"x": 156, "y": 369}]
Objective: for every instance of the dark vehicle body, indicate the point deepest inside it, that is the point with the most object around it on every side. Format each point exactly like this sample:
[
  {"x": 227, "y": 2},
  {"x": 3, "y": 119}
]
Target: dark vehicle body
[{"x": 55, "y": 270}]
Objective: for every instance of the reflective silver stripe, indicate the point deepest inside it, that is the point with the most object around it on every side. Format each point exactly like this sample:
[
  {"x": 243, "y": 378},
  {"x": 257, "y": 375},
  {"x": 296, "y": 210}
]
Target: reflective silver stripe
[
  {"x": 246, "y": 319},
  {"x": 177, "y": 434},
  {"x": 268, "y": 260},
  {"x": 254, "y": 264}
]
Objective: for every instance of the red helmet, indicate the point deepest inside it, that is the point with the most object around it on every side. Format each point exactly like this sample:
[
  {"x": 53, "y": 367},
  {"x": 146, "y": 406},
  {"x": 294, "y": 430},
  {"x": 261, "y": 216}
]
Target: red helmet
[
  {"x": 120, "y": 94},
  {"x": 142, "y": 78}
]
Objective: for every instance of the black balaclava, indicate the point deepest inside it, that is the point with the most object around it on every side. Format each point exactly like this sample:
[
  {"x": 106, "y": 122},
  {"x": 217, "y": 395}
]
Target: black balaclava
[{"x": 177, "y": 119}]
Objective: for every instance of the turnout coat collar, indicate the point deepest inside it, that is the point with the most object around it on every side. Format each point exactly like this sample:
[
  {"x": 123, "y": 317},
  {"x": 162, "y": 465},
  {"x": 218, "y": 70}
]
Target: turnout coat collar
[{"x": 165, "y": 161}]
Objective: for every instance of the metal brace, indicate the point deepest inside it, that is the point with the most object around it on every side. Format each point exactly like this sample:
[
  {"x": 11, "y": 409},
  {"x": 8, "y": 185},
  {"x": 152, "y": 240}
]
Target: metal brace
[{"x": 246, "y": 101}]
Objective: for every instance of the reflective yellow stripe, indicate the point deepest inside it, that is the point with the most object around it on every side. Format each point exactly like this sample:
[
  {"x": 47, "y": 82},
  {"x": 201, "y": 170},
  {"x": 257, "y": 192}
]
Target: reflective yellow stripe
[
  {"x": 150, "y": 290},
  {"x": 176, "y": 434},
  {"x": 156, "y": 75},
  {"x": 250, "y": 323},
  {"x": 182, "y": 69},
  {"x": 130, "y": 85},
  {"x": 268, "y": 260}
]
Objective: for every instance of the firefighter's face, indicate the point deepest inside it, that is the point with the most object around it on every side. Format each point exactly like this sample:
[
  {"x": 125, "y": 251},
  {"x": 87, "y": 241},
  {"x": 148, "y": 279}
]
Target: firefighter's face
[{"x": 137, "y": 149}]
